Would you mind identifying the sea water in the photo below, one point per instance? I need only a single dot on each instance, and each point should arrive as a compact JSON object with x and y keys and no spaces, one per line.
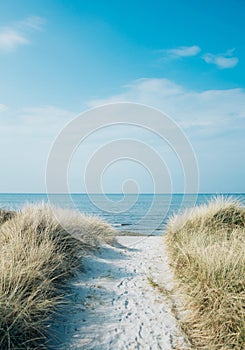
{"x":143,"y":213}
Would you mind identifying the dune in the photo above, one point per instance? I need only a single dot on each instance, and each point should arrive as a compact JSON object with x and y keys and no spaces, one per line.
{"x":40,"y":247}
{"x":206,"y":247}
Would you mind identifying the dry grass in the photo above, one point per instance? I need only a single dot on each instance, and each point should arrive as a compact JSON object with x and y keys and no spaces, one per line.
{"x":207,"y":250}
{"x":39,"y":247}
{"x":5,"y":215}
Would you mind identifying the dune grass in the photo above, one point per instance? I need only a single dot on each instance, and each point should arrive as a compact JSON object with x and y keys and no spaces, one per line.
{"x":5,"y":215}
{"x":39,"y":247}
{"x":207,"y":251}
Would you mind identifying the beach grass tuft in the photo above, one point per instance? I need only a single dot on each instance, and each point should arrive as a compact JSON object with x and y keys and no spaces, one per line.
{"x":207,"y":251}
{"x":39,"y":247}
{"x":5,"y":215}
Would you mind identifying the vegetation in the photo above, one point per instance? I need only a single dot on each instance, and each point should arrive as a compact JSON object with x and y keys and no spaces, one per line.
{"x":207,"y":251}
{"x":39,"y":247}
{"x":5,"y":215}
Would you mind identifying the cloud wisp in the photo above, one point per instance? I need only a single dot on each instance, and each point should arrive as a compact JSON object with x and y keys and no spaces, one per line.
{"x":204,"y":113}
{"x":222,"y":61}
{"x":182,"y":51}
{"x":17,"y":33}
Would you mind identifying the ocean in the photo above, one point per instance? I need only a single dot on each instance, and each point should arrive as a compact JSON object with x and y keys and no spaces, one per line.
{"x":143,"y":213}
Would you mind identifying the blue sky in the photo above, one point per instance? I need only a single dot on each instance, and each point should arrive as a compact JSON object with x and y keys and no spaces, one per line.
{"x":58,"y":58}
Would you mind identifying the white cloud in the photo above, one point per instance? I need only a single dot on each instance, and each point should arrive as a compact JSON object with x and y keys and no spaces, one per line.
{"x":10,"y":39}
{"x":222,"y":61}
{"x":17,"y":33}
{"x":182,"y":51}
{"x":202,"y":113}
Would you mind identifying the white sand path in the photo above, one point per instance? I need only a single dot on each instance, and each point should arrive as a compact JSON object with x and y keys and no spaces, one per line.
{"x":113,"y":304}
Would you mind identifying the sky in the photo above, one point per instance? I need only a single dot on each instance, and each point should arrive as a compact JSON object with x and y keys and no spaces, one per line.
{"x":61,"y":58}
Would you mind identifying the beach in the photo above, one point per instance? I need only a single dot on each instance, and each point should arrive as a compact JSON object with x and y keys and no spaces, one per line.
{"x":114,"y":301}
{"x":71,"y":281}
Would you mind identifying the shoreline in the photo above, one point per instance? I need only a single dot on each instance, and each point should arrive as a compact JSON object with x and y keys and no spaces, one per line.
{"x":121,"y":233}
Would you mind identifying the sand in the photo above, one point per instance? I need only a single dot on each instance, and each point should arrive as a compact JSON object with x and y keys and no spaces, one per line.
{"x":113,"y":305}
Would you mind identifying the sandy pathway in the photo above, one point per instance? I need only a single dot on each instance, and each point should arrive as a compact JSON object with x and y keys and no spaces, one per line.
{"x":114,"y":306}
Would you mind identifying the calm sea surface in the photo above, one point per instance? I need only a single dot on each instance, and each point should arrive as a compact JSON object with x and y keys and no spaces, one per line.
{"x":144,"y":213}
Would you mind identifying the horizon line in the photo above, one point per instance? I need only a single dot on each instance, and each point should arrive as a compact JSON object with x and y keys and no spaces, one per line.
{"x":120,"y":193}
